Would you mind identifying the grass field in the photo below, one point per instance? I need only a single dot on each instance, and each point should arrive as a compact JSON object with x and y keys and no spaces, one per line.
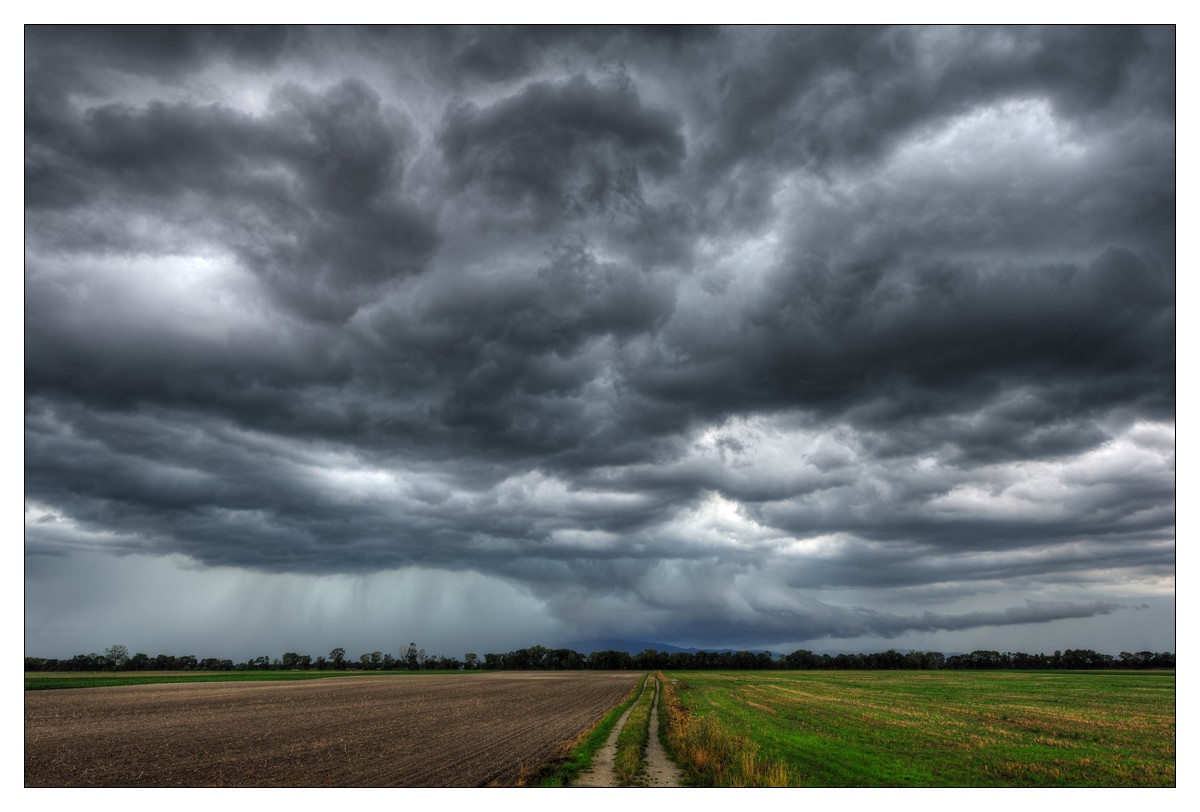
{"x":928,"y":729}
{"x":37,"y":681}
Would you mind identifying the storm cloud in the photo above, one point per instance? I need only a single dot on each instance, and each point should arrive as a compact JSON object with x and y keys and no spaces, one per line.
{"x":712,"y":336}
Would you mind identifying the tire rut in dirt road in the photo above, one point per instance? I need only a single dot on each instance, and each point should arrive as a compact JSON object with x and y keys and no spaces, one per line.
{"x":660,"y":770}
{"x":602,"y":772}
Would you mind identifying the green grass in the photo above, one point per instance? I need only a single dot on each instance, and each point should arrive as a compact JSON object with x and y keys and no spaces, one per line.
{"x":102,"y":679}
{"x":630,"y":761}
{"x":579,"y":757}
{"x":932,"y":729}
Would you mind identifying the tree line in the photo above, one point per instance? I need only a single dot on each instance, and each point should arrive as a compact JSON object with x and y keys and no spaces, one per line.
{"x":540,"y":658}
{"x":117,"y":658}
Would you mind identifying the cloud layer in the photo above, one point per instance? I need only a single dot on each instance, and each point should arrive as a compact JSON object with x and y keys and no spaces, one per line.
{"x":728,"y":336}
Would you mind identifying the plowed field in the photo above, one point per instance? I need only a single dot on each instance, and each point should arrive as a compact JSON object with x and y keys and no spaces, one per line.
{"x":403,"y":731}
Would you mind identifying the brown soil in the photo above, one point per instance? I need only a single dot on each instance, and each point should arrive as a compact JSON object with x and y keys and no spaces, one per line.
{"x":380,"y":731}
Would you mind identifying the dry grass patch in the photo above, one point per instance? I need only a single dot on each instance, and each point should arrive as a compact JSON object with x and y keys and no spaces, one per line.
{"x":711,"y":755}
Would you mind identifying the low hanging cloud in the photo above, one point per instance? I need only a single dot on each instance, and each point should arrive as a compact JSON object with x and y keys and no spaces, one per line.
{"x":309,"y":197}
{"x":676,"y":331}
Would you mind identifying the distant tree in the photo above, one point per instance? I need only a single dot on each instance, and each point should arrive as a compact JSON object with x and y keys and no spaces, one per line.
{"x":338,"y":658}
{"x":564,"y":658}
{"x":610,"y":660}
{"x":986,"y":659}
{"x":86,"y":662}
{"x":648,"y":659}
{"x":800,"y":660}
{"x":682,"y":660}
{"x":471,"y":661}
{"x":885,"y":660}
{"x":117,"y":656}
{"x":743,"y":659}
{"x":1164,"y":659}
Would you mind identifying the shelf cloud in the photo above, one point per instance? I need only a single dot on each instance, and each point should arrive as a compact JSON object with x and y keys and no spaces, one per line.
{"x":714,"y":336}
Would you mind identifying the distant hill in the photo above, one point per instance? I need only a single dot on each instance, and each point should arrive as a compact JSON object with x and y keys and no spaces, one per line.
{"x":613,"y":644}
{"x":638,"y":646}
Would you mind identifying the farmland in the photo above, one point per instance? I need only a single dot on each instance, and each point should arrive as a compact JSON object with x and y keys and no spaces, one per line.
{"x":748,"y":728}
{"x":904,"y":728}
{"x":93,"y":679}
{"x":412,"y":731}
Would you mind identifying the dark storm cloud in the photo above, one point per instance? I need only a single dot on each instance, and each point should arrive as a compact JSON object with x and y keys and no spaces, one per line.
{"x":62,"y":61}
{"x":564,"y":149}
{"x":155,"y":50}
{"x":499,"y":53}
{"x":695,"y":320}
{"x":816,"y":622}
{"x":874,"y":339}
{"x":834,"y":94}
{"x":707,"y":605}
{"x":307,"y":196}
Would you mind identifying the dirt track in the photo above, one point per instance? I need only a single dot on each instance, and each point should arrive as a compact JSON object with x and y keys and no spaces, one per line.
{"x":403,"y":731}
{"x":602,"y":771}
{"x":660,"y":770}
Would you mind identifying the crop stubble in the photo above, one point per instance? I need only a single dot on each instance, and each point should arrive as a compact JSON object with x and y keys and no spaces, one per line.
{"x":409,"y":731}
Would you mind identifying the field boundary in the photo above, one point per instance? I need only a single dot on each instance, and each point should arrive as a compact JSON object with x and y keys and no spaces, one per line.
{"x":559,"y":772}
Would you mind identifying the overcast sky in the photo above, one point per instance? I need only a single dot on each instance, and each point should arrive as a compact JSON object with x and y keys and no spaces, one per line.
{"x":838,"y":339}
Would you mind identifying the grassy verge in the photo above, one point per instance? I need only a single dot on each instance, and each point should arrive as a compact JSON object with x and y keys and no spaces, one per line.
{"x":81,"y":679}
{"x":927,"y":728}
{"x":630,"y":761}
{"x":710,"y":754}
{"x":560,"y":773}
